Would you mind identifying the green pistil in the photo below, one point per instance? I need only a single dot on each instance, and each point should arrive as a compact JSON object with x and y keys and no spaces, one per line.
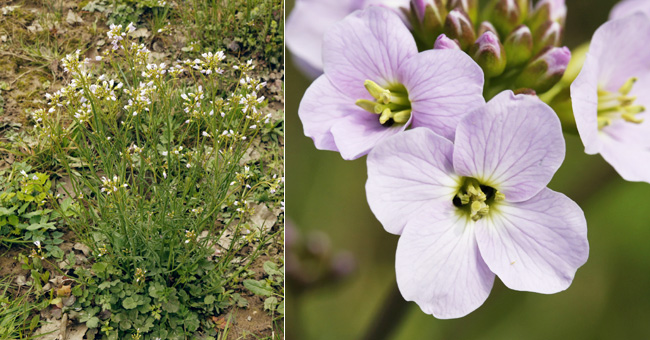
{"x":613,"y":106}
{"x":475,"y":199}
{"x":391,"y":104}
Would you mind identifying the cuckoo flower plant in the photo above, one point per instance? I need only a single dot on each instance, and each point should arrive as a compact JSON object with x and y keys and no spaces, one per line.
{"x":309,"y":21}
{"x":376,"y":84}
{"x":479,"y":207}
{"x":610,"y":95}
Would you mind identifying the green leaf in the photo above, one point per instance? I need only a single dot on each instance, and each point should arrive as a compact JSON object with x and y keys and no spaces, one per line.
{"x":209,"y":299}
{"x":280,"y":308}
{"x":270,"y":303}
{"x":258,"y":287}
{"x":129,"y":303}
{"x":240,"y":301}
{"x":92,"y":322}
{"x":13,"y":220}
{"x":271,"y":268}
{"x":37,"y":213}
{"x":37,"y":226}
{"x":5,"y":211}
{"x":34,"y":323}
{"x":99,"y":267}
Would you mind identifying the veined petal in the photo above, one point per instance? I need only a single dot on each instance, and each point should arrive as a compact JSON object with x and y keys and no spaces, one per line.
{"x":321,"y":107}
{"x":615,"y":45}
{"x":356,"y":134}
{"x":409,"y":173}
{"x":513,"y":144}
{"x":306,"y":25}
{"x":536,"y":245}
{"x":439,"y":266}
{"x":367,"y":45}
{"x":443,"y":86}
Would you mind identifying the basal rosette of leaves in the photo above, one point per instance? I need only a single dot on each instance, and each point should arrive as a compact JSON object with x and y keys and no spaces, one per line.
{"x":152,"y":152}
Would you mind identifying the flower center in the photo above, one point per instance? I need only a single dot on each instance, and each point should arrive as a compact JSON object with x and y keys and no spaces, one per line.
{"x":475,"y":199}
{"x":391,"y":103}
{"x":618,"y":105}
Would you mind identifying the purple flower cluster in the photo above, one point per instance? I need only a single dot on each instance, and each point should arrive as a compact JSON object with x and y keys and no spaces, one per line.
{"x":464,"y":182}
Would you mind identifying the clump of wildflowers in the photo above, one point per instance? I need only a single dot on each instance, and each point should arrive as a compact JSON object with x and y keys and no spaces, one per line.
{"x":112,"y":185}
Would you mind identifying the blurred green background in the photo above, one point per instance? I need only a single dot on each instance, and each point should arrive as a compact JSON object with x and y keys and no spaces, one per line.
{"x":609,"y":298}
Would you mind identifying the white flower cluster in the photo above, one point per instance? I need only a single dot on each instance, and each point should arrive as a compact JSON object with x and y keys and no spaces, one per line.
{"x":211,"y":63}
{"x":110,"y":186}
{"x":245,"y":67}
{"x":155,"y":71}
{"x":117,"y":34}
{"x":192,"y":103}
{"x":105,"y":90}
{"x":140,"y":98}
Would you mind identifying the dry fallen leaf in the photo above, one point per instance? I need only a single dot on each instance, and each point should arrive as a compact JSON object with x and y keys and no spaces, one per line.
{"x":220,"y":322}
{"x":73,"y":18}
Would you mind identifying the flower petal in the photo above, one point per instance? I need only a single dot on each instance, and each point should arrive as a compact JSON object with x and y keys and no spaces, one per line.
{"x":615,"y":45}
{"x":513,"y":144}
{"x":306,"y":25}
{"x":536,"y":245}
{"x":628,"y":7}
{"x":356,"y":134}
{"x":409,"y":173}
{"x":630,"y":161}
{"x":320,"y":108}
{"x":443,"y":86}
{"x":438,"y":265}
{"x":584,"y":99}
{"x":367,"y":45}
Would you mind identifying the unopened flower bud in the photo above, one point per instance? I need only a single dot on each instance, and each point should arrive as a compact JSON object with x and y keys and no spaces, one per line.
{"x":545,"y":70}
{"x":519,"y":46}
{"x":556,"y":10}
{"x":525,"y":7}
{"x":459,"y":26}
{"x":488,"y":52}
{"x":486,"y":26}
{"x":548,"y":10}
{"x":428,"y":20}
{"x":506,"y":16}
{"x":444,"y":43}
{"x":468,"y":6}
{"x":549,"y":34}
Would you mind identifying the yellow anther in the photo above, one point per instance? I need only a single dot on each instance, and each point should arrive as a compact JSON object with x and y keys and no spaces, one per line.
{"x":613,"y":106}
{"x":627,"y":87}
{"x":385,"y":116}
{"x":402,"y":117}
{"x":630,"y":118}
{"x":366,"y":104}
{"x":376,"y":91}
{"x":391,"y":104}
{"x":498,"y":197}
{"x":478,"y":210}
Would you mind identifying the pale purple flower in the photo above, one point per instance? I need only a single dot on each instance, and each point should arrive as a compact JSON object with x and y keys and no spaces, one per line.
{"x":479,"y":207}
{"x":610,"y":95}
{"x":557,"y":9}
{"x":628,"y":7}
{"x":376,"y":84}
{"x":310,"y":19}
